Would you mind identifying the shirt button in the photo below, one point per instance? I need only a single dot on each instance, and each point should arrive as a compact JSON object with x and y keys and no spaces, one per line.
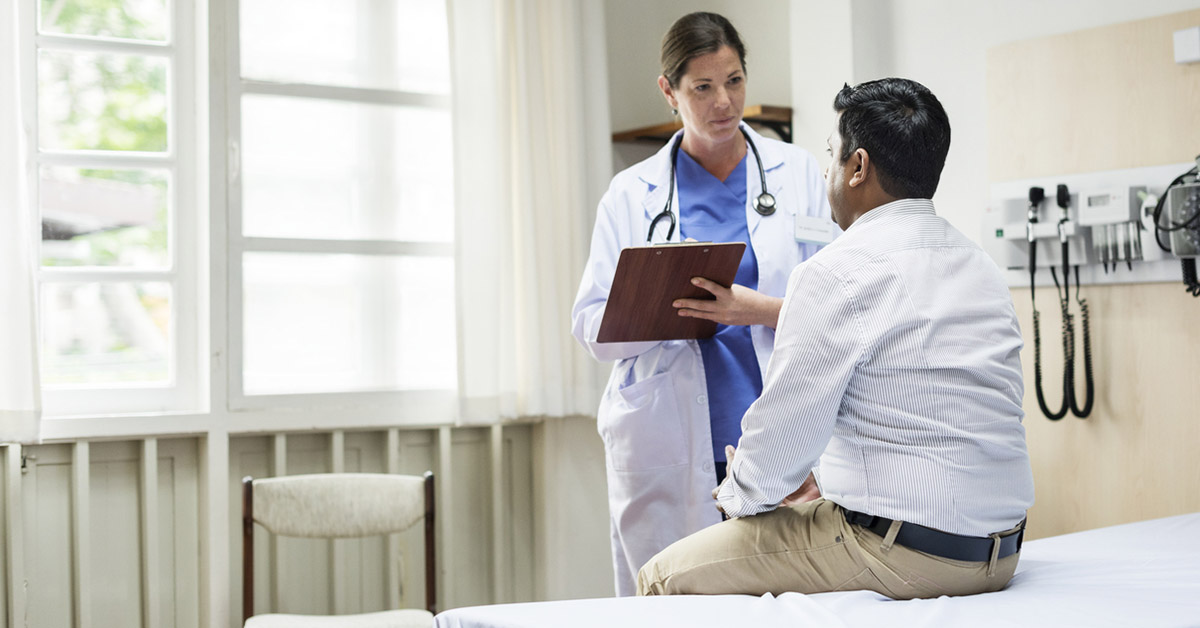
{"x":708,"y":467}
{"x":701,"y":399}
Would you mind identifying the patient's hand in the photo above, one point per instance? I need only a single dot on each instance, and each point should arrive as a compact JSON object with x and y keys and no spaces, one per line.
{"x":729,"y":451}
{"x":807,"y":492}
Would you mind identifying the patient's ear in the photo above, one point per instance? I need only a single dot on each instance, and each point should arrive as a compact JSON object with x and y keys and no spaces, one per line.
{"x":860,"y":166}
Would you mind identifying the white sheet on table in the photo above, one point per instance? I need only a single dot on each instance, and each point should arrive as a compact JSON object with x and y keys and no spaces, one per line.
{"x":1138,"y":574}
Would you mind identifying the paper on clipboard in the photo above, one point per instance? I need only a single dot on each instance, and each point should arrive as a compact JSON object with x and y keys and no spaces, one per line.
{"x":649,"y":279}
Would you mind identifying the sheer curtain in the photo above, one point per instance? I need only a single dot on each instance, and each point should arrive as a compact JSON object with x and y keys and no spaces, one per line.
{"x":20,"y":396}
{"x":532,"y":157}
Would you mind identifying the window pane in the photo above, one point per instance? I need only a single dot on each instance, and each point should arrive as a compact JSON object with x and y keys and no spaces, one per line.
{"x":362,"y":172}
{"x":104,"y":217}
{"x":106,"y":333}
{"x":89,"y":101}
{"x":384,"y":44}
{"x":144,"y":20}
{"x":340,"y":323}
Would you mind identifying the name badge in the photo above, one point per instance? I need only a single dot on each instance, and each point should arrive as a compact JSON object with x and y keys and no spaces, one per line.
{"x":814,"y":230}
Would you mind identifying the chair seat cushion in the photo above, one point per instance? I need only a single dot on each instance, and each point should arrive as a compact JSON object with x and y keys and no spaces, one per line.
{"x":408,"y":618}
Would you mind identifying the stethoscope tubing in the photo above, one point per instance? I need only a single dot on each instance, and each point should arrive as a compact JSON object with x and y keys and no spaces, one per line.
{"x":764,"y":204}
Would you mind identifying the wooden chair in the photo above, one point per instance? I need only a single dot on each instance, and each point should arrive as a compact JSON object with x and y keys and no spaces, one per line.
{"x":331,"y":506}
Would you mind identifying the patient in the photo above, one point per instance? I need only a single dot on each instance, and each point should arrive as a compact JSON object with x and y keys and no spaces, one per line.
{"x":886,"y":451}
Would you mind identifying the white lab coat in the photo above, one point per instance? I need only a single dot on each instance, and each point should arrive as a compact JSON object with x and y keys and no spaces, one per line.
{"x":653,"y":416}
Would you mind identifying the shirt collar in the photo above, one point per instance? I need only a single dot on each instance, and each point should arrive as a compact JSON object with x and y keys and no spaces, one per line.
{"x":899,"y":209}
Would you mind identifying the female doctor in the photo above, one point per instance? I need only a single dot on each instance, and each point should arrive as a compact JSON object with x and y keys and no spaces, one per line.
{"x":671,"y":407}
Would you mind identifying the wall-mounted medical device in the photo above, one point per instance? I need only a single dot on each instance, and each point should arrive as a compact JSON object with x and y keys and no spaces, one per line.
{"x":1114,"y":215}
{"x":1067,"y":230}
{"x":1177,"y":215}
{"x":1119,"y":226}
{"x":1116,"y":226}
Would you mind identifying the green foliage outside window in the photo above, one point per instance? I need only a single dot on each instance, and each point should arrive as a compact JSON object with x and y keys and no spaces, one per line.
{"x":132,"y":116}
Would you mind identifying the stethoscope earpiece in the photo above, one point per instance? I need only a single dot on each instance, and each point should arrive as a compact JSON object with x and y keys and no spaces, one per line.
{"x":764,"y":204}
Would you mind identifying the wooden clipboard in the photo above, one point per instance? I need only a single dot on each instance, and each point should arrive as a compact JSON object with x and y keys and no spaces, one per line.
{"x":649,"y":279}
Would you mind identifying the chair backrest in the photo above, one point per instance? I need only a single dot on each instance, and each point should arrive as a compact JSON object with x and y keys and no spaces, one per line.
{"x":336,"y":505}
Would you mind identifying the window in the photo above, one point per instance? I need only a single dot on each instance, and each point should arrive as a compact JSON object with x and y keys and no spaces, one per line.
{"x":112,"y":171}
{"x":333,"y":218}
{"x":342,"y":216}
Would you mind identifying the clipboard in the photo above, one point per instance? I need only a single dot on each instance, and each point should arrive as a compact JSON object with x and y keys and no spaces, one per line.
{"x":649,"y":279}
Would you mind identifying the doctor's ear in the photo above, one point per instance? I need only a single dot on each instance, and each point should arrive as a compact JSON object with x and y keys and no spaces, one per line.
{"x":668,"y":93}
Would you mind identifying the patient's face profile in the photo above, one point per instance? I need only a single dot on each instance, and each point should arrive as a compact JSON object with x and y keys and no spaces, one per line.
{"x":835,"y":177}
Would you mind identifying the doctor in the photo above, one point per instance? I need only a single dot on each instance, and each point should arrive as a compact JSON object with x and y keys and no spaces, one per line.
{"x":671,"y":407}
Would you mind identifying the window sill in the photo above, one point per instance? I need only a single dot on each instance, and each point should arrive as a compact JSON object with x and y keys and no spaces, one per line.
{"x":434,"y":410}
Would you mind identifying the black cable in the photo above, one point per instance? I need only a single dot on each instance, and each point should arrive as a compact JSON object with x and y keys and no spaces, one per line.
{"x":1190,"y":281}
{"x":1089,"y":382}
{"x":1037,"y":356}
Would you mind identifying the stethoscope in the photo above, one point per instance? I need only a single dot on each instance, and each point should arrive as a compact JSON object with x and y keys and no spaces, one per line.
{"x":764,"y":204}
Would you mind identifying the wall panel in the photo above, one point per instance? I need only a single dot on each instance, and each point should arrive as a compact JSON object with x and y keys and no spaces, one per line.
{"x":1101,"y":99}
{"x":179,"y":532}
{"x":114,"y":555}
{"x":469,"y":527}
{"x":10,"y":453}
{"x":46,"y":496}
{"x":138,"y":539}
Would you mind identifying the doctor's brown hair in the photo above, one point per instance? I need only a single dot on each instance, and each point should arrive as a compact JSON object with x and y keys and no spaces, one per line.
{"x":693,"y":35}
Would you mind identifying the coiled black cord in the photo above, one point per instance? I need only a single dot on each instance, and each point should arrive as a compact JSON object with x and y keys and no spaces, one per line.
{"x":1068,"y":358}
{"x":1190,"y":281}
{"x":1090,"y":390}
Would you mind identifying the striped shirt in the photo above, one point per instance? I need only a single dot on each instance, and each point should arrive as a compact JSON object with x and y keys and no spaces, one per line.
{"x":896,"y":379}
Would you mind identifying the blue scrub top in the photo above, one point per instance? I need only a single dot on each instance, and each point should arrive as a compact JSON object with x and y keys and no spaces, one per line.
{"x":712,"y":210}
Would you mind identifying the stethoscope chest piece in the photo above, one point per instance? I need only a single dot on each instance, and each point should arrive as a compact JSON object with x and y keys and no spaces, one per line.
{"x":765,"y":204}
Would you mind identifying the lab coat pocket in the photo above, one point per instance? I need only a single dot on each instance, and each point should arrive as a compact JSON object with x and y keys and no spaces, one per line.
{"x":642,"y":429}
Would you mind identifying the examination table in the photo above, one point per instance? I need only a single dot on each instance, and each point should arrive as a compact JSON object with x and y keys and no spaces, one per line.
{"x":1137,"y":574}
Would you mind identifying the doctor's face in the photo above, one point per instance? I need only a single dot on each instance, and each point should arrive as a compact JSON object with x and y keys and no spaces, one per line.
{"x":710,"y":96}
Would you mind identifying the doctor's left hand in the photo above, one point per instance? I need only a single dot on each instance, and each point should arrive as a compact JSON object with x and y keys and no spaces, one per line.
{"x":735,"y":305}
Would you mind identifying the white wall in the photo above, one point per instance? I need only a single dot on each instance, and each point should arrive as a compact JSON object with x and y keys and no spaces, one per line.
{"x":943,"y":44}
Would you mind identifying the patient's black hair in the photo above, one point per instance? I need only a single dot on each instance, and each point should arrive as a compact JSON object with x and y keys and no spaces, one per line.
{"x":904,"y":129}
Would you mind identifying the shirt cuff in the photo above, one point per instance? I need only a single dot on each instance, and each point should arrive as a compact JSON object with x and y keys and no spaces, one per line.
{"x":727,"y":499}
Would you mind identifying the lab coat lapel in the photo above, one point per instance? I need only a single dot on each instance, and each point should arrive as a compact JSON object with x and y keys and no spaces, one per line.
{"x":656,"y":174}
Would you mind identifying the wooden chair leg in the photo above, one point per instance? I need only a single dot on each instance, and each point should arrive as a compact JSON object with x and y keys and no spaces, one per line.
{"x":430,"y":556}
{"x":247,"y":548}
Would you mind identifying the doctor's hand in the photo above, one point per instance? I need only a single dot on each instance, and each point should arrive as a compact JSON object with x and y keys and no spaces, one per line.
{"x":735,"y":305}
{"x":807,"y":492}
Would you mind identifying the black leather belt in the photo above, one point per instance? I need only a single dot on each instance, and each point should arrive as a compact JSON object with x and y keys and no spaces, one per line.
{"x":944,"y":544}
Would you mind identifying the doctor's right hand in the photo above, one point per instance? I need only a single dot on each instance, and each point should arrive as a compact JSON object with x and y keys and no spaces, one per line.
{"x":735,"y":305}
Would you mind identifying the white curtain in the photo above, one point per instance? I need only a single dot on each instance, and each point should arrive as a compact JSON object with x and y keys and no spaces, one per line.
{"x":20,"y":396}
{"x":532,"y":158}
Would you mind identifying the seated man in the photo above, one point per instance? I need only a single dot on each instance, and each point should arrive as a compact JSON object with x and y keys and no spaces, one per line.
{"x":894,"y":394}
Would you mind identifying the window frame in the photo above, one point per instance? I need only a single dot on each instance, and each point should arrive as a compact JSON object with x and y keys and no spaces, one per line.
{"x":420,"y":407}
{"x":182,"y":391}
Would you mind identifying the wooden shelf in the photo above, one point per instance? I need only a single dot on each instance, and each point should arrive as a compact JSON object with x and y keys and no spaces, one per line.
{"x":778,"y":119}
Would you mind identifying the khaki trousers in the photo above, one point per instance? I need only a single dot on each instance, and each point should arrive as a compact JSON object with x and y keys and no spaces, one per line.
{"x":809,"y":548}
